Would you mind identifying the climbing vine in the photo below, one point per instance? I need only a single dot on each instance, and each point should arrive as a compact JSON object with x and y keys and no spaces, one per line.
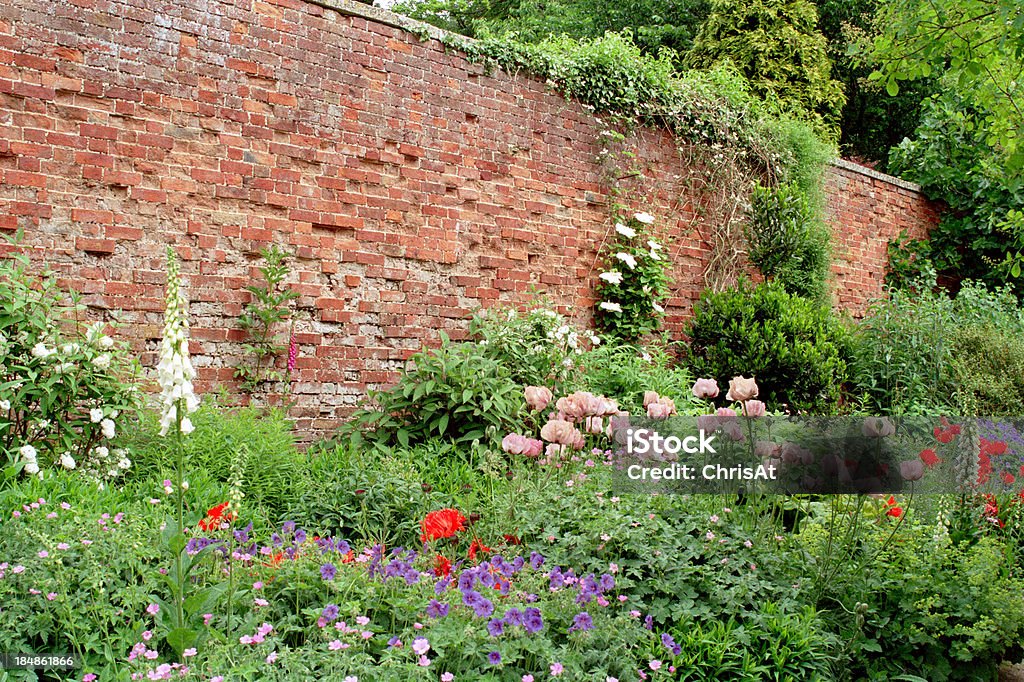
{"x":727,"y":139}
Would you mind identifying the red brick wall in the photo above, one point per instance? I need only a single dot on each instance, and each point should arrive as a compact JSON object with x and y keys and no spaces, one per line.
{"x":867,"y":210}
{"x":411,"y":185}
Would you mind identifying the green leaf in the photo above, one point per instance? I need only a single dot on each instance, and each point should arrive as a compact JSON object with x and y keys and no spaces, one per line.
{"x":180,"y":639}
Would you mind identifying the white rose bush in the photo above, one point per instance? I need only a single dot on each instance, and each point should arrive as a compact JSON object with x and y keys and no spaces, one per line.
{"x":633,"y":286}
{"x":65,"y":384}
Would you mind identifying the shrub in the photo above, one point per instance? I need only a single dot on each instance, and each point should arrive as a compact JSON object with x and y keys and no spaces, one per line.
{"x":933,"y":609}
{"x":795,"y":348}
{"x":456,"y":391}
{"x":987,"y":370}
{"x":538,"y":346}
{"x":64,"y":387}
{"x":361,"y":494}
{"x":901,"y":353}
{"x":906,"y":359}
{"x":787,"y":242}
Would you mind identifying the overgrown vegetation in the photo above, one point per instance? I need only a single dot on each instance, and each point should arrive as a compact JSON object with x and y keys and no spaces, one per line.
{"x":261,"y":319}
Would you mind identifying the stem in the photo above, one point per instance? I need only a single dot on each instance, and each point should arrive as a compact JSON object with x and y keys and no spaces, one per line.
{"x":179,"y":596}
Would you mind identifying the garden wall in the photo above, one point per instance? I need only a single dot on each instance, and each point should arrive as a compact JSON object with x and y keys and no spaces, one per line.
{"x":412,"y":185}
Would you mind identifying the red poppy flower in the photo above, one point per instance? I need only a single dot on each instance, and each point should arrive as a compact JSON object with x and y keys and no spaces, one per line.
{"x":1008,"y":478}
{"x":948,"y":434}
{"x":217,"y":515}
{"x":349,"y":558}
{"x":443,"y":523}
{"x":929,"y":457}
{"x":984,"y":468}
{"x":477,"y":546}
{"x":992,"y":448}
{"x":512,"y":540}
{"x":893,"y":510}
{"x":275,"y":560}
{"x":442,"y":565}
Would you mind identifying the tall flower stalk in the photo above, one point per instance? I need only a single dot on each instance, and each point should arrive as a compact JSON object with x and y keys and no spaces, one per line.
{"x":177,"y":400}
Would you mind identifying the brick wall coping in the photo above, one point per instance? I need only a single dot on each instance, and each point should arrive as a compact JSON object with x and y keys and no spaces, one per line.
{"x":872,"y":173}
{"x":389,"y":18}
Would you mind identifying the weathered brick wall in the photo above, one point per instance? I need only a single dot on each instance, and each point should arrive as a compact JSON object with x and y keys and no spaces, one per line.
{"x":411,"y":185}
{"x":867,"y":210}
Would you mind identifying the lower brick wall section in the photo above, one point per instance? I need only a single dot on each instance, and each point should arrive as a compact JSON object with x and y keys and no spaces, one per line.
{"x":411,"y":185}
{"x":867,"y":210}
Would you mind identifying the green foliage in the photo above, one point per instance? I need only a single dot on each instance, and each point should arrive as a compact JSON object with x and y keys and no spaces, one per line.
{"x":655,"y":24}
{"x":978,"y":45}
{"x":93,"y":585}
{"x":267,"y":309}
{"x":906,"y":358}
{"x":938,"y":611}
{"x":988,"y":370}
{"x":272,"y":475}
{"x":361,"y":494}
{"x":954,"y":158}
{"x":609,"y":73}
{"x":776,"y":45}
{"x":634,"y":284}
{"x":770,"y":644}
{"x":537,"y":347}
{"x":456,"y":392}
{"x":873,"y":121}
{"x":910,"y":264}
{"x":626,"y":372}
{"x":64,"y":384}
{"x":788,"y":244}
{"x":901,"y":353}
{"x":794,"y":347}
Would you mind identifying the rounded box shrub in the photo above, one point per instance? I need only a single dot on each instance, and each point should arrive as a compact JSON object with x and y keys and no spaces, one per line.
{"x":794,"y":347}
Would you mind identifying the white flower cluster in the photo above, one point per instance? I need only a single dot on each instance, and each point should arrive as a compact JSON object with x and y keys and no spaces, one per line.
{"x":100,"y":463}
{"x":629,"y":260}
{"x":29,"y":454}
{"x":174,"y":370}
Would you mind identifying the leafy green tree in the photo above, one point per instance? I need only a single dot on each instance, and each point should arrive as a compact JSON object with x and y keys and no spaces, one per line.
{"x":776,"y":45}
{"x":872,"y":121}
{"x":978,"y":43}
{"x":967,"y":149}
{"x":954,"y":158}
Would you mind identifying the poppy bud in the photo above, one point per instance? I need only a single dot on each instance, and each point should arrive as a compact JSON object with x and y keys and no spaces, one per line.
{"x":360,"y":491}
{"x":426,"y":487}
{"x":474,"y":517}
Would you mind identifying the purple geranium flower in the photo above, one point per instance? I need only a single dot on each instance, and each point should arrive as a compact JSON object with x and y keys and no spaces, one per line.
{"x":495,"y":627}
{"x":328,"y":571}
{"x":494,"y":658}
{"x":533,"y":621}
{"x":330,"y":612}
{"x":436,"y":609}
{"x":582,"y":621}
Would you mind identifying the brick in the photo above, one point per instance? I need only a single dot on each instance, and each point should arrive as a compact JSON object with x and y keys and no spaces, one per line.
{"x":97,"y":246}
{"x":83,"y":215}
